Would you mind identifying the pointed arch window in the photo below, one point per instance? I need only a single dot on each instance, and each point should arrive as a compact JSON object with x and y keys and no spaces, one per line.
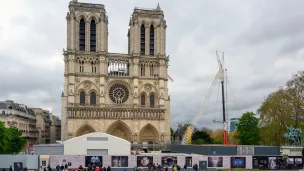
{"x":93,"y":98}
{"x":152,"y":102}
{"x":93,"y":36}
{"x":82,"y":97}
{"x":152,"y":40}
{"x":82,"y":35}
{"x":143,"y":100}
{"x":142,"y":39}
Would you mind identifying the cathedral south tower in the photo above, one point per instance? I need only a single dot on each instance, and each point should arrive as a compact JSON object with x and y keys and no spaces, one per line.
{"x":125,"y":95}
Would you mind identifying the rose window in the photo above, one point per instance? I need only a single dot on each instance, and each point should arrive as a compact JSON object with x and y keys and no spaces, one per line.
{"x":119,"y":93}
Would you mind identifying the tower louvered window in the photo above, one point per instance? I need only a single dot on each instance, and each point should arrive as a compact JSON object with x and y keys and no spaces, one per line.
{"x":93,"y":36}
{"x":82,"y":35}
{"x":142,"y":40}
{"x":151,"y":40}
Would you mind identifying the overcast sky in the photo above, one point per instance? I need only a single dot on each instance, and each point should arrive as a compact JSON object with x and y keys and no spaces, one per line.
{"x":262,"y":40}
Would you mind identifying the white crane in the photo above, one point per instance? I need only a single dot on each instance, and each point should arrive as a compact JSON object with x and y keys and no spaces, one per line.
{"x":219,"y":76}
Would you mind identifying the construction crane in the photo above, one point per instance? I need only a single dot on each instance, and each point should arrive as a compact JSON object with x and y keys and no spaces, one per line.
{"x":219,"y":77}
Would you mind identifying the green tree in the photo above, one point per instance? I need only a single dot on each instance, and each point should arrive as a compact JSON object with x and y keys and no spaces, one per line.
{"x":247,"y":129}
{"x":3,"y":140}
{"x":295,"y":95}
{"x":11,"y":141}
{"x":275,"y":114}
{"x":171,"y":133}
{"x":16,"y":142}
{"x":201,"y":137}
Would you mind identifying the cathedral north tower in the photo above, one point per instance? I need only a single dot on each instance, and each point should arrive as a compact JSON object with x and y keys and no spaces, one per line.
{"x":125,"y":95}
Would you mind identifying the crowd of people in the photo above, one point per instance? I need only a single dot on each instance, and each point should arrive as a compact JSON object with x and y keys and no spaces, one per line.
{"x":93,"y":167}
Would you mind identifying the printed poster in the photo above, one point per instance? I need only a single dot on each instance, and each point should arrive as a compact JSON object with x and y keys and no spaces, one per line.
{"x":238,"y":162}
{"x":119,"y":161}
{"x":188,"y":161}
{"x":93,"y":160}
{"x":144,"y":161}
{"x":168,"y":161}
{"x":72,"y":161}
{"x":215,"y":161}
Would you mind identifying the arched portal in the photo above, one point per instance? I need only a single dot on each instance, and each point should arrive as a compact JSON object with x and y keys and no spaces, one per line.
{"x":121,"y":130}
{"x":85,"y":129}
{"x":148,"y":134}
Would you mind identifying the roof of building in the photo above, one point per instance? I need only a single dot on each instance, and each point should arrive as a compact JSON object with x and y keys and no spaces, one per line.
{"x":99,"y":135}
{"x":9,"y":104}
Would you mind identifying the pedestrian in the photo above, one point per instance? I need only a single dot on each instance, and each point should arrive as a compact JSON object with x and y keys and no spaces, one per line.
{"x":62,"y":167}
{"x":10,"y":169}
{"x":174,"y":168}
{"x":109,"y":168}
{"x":185,"y":167}
{"x":49,"y":168}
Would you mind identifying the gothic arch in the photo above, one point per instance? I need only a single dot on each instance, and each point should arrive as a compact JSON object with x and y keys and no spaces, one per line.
{"x":80,"y":16}
{"x":93,"y":86}
{"x":148,"y":134}
{"x":153,"y":88}
{"x":140,"y":98}
{"x":153,"y":23}
{"x":120,"y":129}
{"x":85,"y":129}
{"x":93,"y":16}
{"x":143,"y":22}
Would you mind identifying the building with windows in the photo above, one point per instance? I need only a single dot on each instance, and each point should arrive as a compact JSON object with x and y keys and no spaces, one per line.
{"x":19,"y":116}
{"x":48,"y":126}
{"x":232,"y":124}
{"x":125,"y":95}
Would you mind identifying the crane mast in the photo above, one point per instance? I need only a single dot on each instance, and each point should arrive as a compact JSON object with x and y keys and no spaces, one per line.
{"x":190,"y":128}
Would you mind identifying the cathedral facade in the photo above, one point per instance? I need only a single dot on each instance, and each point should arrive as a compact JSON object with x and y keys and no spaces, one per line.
{"x":125,"y":95}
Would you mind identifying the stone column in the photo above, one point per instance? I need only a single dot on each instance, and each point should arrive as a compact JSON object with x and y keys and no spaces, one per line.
{"x":87,"y":36}
{"x":147,"y":40}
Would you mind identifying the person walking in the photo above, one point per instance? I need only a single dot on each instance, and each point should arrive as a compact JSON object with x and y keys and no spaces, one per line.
{"x":185,"y":167}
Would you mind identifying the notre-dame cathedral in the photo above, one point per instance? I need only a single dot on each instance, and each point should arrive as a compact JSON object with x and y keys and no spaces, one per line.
{"x":122,"y":94}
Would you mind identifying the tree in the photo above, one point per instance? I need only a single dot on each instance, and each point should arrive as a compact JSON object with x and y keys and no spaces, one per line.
{"x":275,"y":115}
{"x":232,"y":138}
{"x":11,"y":141}
{"x":218,"y":136}
{"x":247,"y":129}
{"x":201,"y":137}
{"x":295,"y":94}
{"x":171,"y":133}
{"x":282,"y":108}
{"x":3,"y":141}
{"x":16,"y":142}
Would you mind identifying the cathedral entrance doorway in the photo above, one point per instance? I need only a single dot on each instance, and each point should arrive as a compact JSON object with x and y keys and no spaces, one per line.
{"x":148,"y":134}
{"x":85,"y":129}
{"x":121,"y":130}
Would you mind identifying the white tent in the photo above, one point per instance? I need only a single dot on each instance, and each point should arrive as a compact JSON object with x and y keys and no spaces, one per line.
{"x":97,"y":143}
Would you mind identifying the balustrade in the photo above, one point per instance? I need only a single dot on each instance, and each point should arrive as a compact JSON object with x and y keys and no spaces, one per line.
{"x":150,"y":114}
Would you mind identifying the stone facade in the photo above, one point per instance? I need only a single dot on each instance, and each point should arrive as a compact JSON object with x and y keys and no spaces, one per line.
{"x":48,"y":126}
{"x":36,"y":124}
{"x":125,"y":95}
{"x":19,"y":116}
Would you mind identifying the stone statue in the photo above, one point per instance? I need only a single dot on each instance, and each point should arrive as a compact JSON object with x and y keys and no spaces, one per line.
{"x":293,"y":136}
